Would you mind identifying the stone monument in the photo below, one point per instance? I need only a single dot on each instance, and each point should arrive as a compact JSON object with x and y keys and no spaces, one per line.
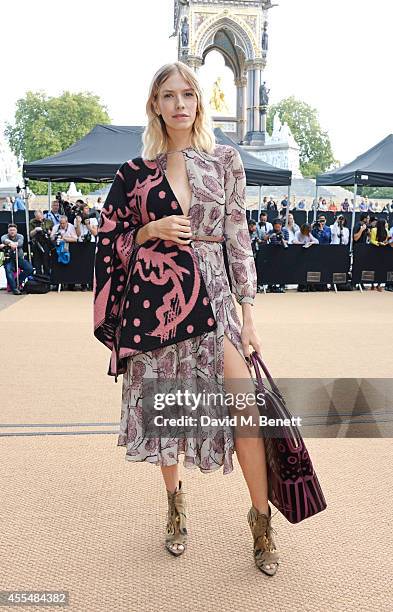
{"x":238,"y":30}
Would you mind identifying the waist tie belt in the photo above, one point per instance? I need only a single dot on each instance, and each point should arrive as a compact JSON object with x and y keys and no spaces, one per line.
{"x":209,"y":238}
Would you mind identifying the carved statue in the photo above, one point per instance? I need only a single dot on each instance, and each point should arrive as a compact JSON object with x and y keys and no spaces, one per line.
{"x":265,"y":38}
{"x":217,"y":100}
{"x":185,"y":32}
{"x":176,"y":15}
{"x":263,"y":94}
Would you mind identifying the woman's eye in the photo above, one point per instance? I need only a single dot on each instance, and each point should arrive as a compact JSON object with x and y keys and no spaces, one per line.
{"x":167,"y":95}
{"x":190,"y":93}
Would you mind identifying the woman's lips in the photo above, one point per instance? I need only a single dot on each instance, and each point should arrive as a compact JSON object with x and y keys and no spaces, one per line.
{"x":180,"y":117}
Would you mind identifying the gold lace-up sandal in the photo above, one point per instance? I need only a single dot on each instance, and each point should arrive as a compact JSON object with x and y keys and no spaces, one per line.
{"x":266,"y":556}
{"x":176,"y":530}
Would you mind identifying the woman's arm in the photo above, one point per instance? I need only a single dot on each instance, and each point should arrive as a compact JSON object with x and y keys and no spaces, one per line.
{"x":119,"y":220}
{"x":238,"y":244}
{"x":237,"y":238}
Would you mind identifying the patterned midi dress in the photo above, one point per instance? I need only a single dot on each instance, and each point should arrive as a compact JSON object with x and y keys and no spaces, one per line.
{"x":218,"y":208}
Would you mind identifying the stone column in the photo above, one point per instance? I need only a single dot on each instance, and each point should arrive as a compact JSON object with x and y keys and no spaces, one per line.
{"x":254,"y":68}
{"x":249,"y":98}
{"x":257,"y":82}
{"x":241,"y":107}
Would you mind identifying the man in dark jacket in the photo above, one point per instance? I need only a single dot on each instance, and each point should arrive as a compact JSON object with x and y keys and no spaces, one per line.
{"x":13,"y":243}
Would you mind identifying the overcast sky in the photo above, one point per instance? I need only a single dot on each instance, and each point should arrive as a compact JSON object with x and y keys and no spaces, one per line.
{"x":334,"y":54}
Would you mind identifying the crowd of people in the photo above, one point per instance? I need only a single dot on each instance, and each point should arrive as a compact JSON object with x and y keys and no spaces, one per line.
{"x":368,"y":230}
{"x":50,"y":233}
{"x":68,"y":222}
{"x":362,"y":205}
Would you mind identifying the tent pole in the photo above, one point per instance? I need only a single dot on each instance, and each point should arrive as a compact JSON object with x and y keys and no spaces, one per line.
{"x":260,"y":203}
{"x":49,"y":193}
{"x":26,"y":199}
{"x":355,"y":192}
{"x":315,"y":204}
{"x":289,"y":203}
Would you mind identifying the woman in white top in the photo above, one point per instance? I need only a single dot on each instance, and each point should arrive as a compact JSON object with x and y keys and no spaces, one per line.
{"x":292,"y":228}
{"x":339,"y":231}
{"x":304,"y":236}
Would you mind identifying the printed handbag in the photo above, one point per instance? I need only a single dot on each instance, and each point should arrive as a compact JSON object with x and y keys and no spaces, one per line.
{"x":293,"y":486}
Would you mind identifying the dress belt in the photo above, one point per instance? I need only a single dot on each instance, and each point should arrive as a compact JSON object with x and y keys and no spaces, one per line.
{"x":209,"y":238}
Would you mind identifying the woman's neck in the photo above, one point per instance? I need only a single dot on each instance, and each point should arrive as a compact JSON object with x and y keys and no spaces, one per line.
{"x":178,"y":141}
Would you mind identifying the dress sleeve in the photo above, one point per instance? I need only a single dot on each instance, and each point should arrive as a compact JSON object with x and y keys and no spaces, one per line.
{"x":119,"y":221}
{"x":237,"y":237}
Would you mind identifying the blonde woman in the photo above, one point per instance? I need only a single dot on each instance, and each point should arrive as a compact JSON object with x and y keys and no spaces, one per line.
{"x":163,"y":223}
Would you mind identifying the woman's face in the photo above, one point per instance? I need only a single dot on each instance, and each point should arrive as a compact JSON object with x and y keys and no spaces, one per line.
{"x":177,"y":103}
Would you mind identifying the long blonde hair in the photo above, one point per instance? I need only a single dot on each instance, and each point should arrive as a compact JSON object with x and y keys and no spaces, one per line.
{"x":155,"y":135}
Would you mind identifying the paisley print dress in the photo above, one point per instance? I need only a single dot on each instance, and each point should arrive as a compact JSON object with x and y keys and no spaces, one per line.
{"x":218,"y":208}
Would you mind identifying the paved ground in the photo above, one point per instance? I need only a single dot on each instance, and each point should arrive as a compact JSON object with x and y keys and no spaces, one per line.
{"x":75,"y":516}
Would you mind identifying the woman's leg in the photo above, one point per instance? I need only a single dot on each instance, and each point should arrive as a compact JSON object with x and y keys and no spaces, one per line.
{"x":171,"y":476}
{"x":250,"y":451}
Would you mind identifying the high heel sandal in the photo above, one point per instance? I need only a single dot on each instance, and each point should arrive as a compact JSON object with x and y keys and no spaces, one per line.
{"x":176,"y":530}
{"x":266,"y":556}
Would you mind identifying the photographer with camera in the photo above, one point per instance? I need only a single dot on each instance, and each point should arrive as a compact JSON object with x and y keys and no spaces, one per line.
{"x":65,"y":207}
{"x":12,"y":246}
{"x":278,"y":237}
{"x":40,"y":231}
{"x":86,"y":227}
{"x":339,"y":231}
{"x":361,"y":231}
{"x":320,"y":231}
{"x":86,"y":224}
{"x":64,"y":233}
{"x":263,"y":228}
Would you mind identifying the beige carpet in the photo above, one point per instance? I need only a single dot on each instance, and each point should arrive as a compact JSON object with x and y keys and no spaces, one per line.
{"x":76,"y":517}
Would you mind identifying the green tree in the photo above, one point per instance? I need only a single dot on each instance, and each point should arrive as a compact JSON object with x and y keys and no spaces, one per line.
{"x":377,"y":193}
{"x":46,"y":125}
{"x":316,"y":153}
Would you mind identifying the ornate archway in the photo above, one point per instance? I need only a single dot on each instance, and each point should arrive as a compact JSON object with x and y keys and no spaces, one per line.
{"x":237,"y":30}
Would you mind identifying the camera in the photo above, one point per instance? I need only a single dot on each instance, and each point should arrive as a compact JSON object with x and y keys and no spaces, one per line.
{"x":41,"y":239}
{"x":58,"y":238}
{"x":7,"y":253}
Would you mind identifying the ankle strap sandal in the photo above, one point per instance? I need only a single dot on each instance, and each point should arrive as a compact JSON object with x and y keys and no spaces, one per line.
{"x":266,"y":556}
{"x":176,"y":529}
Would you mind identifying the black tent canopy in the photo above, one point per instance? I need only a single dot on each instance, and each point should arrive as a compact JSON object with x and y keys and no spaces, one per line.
{"x":374,"y":168}
{"x":93,"y":158}
{"x":97,"y":156}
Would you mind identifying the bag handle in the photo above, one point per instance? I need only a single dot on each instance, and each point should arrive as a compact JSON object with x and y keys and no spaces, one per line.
{"x":257,"y":362}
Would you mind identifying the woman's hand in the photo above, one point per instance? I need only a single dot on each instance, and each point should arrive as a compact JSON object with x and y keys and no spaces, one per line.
{"x":249,"y":337}
{"x":174,"y":227}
